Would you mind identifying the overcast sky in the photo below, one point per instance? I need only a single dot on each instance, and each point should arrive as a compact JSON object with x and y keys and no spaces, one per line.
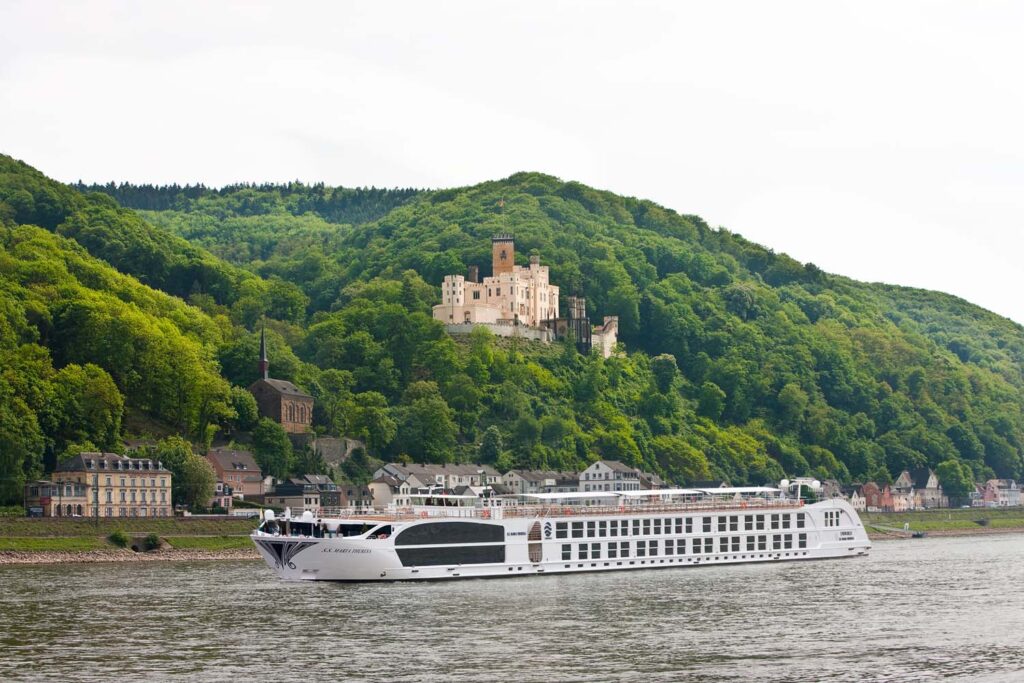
{"x":882,"y":141}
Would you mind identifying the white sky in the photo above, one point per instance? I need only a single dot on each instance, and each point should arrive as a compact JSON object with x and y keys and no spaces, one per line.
{"x":882,"y":141}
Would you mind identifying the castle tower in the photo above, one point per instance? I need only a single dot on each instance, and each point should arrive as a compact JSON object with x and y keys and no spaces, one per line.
{"x":264,"y":364}
{"x":503,"y":253}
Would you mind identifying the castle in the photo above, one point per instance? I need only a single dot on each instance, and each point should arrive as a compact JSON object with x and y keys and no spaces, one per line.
{"x":518,"y":301}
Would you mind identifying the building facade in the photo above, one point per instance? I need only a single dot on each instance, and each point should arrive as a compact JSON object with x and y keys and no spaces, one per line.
{"x":238,"y":470}
{"x":512,"y":294}
{"x":115,"y":485}
{"x":609,"y":475}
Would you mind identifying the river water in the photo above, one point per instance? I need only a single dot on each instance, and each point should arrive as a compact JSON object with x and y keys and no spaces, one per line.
{"x":921,"y":610}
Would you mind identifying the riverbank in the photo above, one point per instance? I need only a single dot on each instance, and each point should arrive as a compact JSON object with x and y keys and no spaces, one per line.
{"x":10,"y":557}
{"x":943,"y":522}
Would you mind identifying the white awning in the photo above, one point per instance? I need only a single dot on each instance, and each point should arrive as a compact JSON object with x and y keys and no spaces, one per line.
{"x":661,"y":492}
{"x":731,"y":491}
{"x":572,"y":495}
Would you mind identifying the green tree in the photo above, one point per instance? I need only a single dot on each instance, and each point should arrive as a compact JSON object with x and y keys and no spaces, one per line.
{"x":246,"y":411}
{"x":491,"y":446}
{"x":710,"y":401}
{"x":195,"y":482}
{"x":956,"y":478}
{"x":272,"y":449}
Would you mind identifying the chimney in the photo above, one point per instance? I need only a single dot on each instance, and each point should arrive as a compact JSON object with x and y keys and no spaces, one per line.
{"x":264,"y":364}
{"x":474,"y":274}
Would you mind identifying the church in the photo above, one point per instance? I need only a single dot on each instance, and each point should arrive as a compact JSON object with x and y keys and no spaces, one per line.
{"x":280,"y":400}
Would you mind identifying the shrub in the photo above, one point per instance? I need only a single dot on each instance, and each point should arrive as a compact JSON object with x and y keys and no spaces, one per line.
{"x":119,"y":538}
{"x":151,"y":542}
{"x":12,"y":511}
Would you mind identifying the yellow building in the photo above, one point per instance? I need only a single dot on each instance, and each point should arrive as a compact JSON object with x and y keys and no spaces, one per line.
{"x":122,"y":487}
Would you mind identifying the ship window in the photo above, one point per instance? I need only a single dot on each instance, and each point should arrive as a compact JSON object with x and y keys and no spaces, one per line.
{"x":750,"y":543}
{"x":647,"y":527}
{"x":623,"y":548}
{"x":595,"y":551}
{"x":561,"y":529}
{"x":734,"y":523}
{"x":748,"y":523}
{"x":762,"y":543}
{"x":636,"y":527}
{"x":776,"y":542}
{"x":787,"y":541}
{"x":785,"y":521}
{"x":566,"y":551}
{"x":577,"y":529}
{"x":582,"y":551}
{"x":689,"y":525}
{"x":613,"y":551}
{"x":723,"y":544}
{"x":613,"y":527}
{"x":775,"y":521}
{"x":721,"y":523}
{"x":641,"y":549}
{"x":707,"y":525}
{"x":679,"y":525}
{"x":602,"y":529}
{"x":657,"y":526}
{"x":799,"y":520}
{"x":652,"y":548}
{"x":591,"y":529}
{"x":709,"y":545}
{"x":759,"y":522}
{"x":735,"y":544}
{"x":670,"y":547}
{"x":448,"y":533}
{"x":801,"y":540}
{"x":697,"y":546}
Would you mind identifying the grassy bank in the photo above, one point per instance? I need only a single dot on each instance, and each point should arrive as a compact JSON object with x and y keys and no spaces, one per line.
{"x":54,"y":544}
{"x":162,"y":526}
{"x":950,"y":520}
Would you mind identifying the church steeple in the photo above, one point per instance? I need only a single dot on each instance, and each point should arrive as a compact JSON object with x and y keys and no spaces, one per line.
{"x":264,"y":365}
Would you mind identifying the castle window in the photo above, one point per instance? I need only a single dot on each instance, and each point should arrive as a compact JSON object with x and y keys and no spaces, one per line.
{"x":476,"y":295}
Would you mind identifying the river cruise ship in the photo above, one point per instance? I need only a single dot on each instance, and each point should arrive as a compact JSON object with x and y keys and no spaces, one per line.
{"x":450,"y":537}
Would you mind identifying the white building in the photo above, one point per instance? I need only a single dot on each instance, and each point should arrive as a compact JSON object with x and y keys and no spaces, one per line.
{"x":609,"y":475}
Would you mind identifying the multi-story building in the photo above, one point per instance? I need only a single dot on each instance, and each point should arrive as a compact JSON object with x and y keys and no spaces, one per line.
{"x":609,"y":475}
{"x":511,"y":294}
{"x":540,"y":481}
{"x":238,"y":470}
{"x":119,"y":486}
{"x":447,"y":475}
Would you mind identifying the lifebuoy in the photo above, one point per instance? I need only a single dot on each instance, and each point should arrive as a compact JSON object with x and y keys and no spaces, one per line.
{"x":486,"y":514}
{"x":423,"y":514}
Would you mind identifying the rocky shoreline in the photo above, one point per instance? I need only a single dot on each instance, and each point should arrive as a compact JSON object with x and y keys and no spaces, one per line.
{"x":10,"y":557}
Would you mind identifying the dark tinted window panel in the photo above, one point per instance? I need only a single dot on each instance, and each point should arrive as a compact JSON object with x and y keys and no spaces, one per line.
{"x":423,"y":557}
{"x":434,"y":533}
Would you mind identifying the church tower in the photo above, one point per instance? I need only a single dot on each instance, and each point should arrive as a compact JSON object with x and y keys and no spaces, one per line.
{"x":503,"y":254}
{"x":264,"y":364}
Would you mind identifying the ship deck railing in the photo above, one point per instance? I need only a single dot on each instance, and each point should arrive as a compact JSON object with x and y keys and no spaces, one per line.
{"x":556,"y":511}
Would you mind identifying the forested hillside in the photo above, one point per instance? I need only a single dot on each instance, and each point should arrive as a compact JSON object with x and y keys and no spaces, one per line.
{"x":737,"y":362}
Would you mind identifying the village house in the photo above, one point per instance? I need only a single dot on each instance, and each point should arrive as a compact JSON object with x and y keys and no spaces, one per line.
{"x":1002,"y":492}
{"x":122,"y":487}
{"x":222,"y":497}
{"x":356,"y":499}
{"x":921,"y":487}
{"x":389,"y":491}
{"x":297,"y":494}
{"x":280,"y":400}
{"x":857,"y":501}
{"x":237,"y":469}
{"x":524,"y":482}
{"x":609,"y":475}
{"x":447,"y":475}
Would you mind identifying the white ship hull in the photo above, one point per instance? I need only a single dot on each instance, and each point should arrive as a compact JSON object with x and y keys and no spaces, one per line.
{"x":560,"y":542}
